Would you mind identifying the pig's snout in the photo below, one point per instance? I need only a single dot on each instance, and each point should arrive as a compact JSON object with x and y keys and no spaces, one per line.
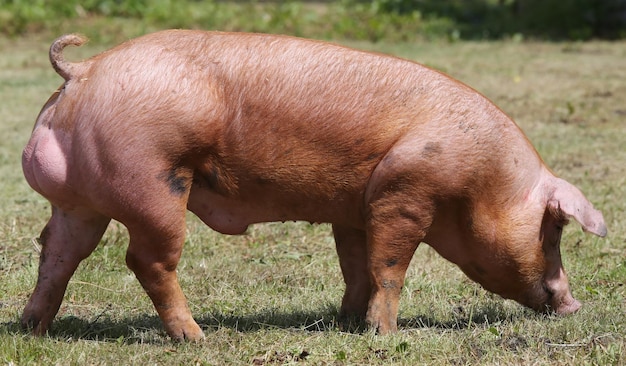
{"x":569,"y":307}
{"x":560,"y":299}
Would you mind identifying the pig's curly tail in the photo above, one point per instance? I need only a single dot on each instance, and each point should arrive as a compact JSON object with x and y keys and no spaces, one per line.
{"x":65,"y":68}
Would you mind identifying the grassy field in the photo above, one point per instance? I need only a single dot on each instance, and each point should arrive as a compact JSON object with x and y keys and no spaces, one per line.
{"x":271,"y":296}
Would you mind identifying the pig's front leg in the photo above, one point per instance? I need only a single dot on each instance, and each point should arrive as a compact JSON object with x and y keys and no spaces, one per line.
{"x":69,"y":237}
{"x":352,"y":251}
{"x":393,"y":234}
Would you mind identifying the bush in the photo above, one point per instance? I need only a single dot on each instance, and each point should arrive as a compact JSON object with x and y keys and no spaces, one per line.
{"x":573,"y":19}
{"x":552,"y":19}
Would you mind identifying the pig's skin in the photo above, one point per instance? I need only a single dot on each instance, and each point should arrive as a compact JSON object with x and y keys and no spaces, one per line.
{"x":245,"y":128}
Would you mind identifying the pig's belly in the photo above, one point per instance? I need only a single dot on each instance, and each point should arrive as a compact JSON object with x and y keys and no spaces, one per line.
{"x":233,"y":215}
{"x":224,"y":215}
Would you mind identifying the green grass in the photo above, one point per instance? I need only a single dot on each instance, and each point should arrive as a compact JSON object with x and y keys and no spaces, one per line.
{"x":344,"y":19}
{"x":271,"y":296}
{"x":372,"y":20}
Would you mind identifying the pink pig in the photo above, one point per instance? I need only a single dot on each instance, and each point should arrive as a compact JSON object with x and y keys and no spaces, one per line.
{"x":248,"y":128}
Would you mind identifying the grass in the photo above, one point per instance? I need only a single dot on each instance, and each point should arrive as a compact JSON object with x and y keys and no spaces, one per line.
{"x":372,"y":20}
{"x":345,"y":19}
{"x":271,"y":297}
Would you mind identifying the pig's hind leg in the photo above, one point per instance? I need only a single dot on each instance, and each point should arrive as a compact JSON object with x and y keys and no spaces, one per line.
{"x":156,"y":224}
{"x":69,"y":237}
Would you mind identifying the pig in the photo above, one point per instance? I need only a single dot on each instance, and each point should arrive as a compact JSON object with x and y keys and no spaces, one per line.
{"x":248,"y":128}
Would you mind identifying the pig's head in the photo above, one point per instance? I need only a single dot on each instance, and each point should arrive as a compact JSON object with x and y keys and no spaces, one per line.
{"x":519,"y":257}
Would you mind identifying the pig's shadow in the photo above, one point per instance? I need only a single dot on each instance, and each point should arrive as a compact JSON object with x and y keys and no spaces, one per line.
{"x":148,"y":328}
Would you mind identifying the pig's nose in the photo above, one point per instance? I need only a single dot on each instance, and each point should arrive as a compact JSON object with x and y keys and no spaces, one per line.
{"x":561,"y":302}
{"x":567,"y":307}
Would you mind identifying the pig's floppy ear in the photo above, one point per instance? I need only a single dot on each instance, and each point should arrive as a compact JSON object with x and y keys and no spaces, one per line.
{"x":567,"y":201}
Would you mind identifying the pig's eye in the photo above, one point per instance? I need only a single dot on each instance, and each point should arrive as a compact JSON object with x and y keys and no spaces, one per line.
{"x":548,"y":291}
{"x":555,"y":235}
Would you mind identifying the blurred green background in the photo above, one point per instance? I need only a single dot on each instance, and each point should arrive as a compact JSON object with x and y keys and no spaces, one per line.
{"x":371,"y":20}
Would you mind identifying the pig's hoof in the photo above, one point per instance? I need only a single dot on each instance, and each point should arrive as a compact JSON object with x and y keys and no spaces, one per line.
{"x":33,"y":324}
{"x":191,"y":332}
{"x":382,"y":325}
